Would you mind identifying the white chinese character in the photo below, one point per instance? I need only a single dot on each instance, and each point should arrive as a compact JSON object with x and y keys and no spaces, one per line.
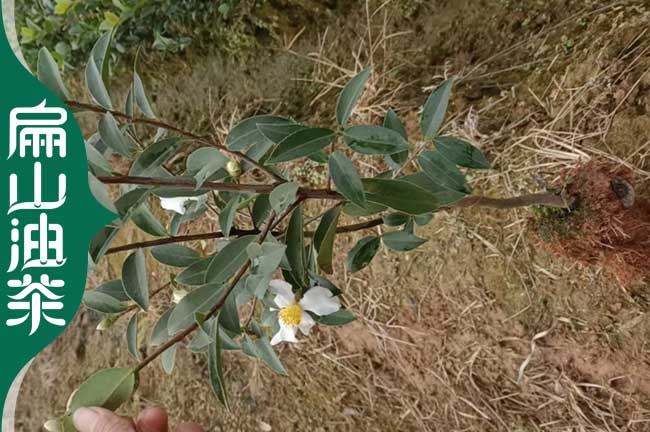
{"x":41,"y":244}
{"x":30,"y":299}
{"x":37,"y":203}
{"x":40,"y":130}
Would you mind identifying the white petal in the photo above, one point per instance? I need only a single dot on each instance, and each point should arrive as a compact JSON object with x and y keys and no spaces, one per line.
{"x":285,"y":334}
{"x":306,"y":323}
{"x":176,"y":204}
{"x":284,"y":296}
{"x":320,"y":301}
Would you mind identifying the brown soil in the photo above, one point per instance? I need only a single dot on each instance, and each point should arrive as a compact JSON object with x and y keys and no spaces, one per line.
{"x":609,"y":224}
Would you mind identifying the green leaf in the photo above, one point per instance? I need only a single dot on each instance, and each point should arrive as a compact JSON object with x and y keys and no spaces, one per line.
{"x":368,"y":209}
{"x":461,"y":152}
{"x":395,"y":219}
{"x":392,"y":121}
{"x":160,"y":332}
{"x":302,"y":143}
{"x":399,"y":195}
{"x":147,"y":222}
{"x":107,"y":388}
{"x":148,"y":163}
{"x":280,"y":131}
{"x":434,"y":109}
{"x":99,"y":54}
{"x":296,"y":245}
{"x":114,"y":289}
{"x":141,"y":97}
{"x":215,"y":365}
{"x":47,"y":72}
{"x":97,"y":162}
{"x":324,"y":239}
{"x":261,"y":348}
{"x":402,"y":240}
{"x":100,"y":192}
{"x":443,"y":172}
{"x":175,"y":255}
{"x":374,"y":140}
{"x":102,"y":302}
{"x":135,"y":279}
{"x":96,"y":86}
{"x":112,"y":136}
{"x":229,"y":315}
{"x":227,"y":215}
{"x":261,"y":210}
{"x":200,"y":300}
{"x":443,"y":195}
{"x":132,"y":336}
{"x":350,"y":95}
{"x":346,"y":178}
{"x":283,"y":196}
{"x":362,"y":253}
{"x":168,"y":358}
{"x":339,"y":318}
{"x":205,"y":162}
{"x":228,"y":261}
{"x":194,"y":275}
{"x":246,"y":134}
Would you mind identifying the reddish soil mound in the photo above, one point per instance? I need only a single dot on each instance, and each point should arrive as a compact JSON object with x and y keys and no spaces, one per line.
{"x":609,"y":225}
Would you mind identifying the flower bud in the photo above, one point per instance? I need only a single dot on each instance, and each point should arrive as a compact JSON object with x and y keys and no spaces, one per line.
{"x":52,"y":425}
{"x":105,"y":324}
{"x":178,"y":295}
{"x":233,"y":168}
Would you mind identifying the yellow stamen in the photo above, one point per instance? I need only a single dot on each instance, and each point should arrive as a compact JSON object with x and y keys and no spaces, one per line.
{"x":291,"y":315}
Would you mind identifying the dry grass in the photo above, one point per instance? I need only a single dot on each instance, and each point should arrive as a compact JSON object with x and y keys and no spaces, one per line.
{"x":477,"y":330}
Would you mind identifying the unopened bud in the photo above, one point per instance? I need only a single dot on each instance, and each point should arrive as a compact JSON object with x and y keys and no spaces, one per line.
{"x":233,"y":168}
{"x":105,"y":324}
{"x":52,"y":425}
{"x":178,"y":295}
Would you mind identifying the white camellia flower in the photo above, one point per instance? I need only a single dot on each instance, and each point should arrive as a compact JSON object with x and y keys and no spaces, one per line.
{"x":293,"y":314}
{"x":176,"y":204}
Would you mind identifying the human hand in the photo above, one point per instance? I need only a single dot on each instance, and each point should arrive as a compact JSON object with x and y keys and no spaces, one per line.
{"x":152,"y":419}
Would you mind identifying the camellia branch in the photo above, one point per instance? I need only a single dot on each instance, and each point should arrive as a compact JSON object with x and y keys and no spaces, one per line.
{"x":160,"y":124}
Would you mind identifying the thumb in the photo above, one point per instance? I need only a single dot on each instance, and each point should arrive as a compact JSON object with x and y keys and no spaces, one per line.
{"x":100,"y":420}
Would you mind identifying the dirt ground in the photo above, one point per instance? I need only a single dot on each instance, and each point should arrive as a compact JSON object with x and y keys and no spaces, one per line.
{"x":477,"y":330}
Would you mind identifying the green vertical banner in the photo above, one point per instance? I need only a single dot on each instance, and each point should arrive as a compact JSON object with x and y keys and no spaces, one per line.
{"x":48,"y":216}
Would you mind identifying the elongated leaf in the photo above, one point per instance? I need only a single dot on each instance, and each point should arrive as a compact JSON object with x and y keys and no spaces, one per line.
{"x":444,"y":196}
{"x":141,"y":97}
{"x":324,"y":238}
{"x":200,"y":300}
{"x":100,"y":192}
{"x":168,"y":358}
{"x":99,"y":54}
{"x":108,"y":388}
{"x":338,"y":318}
{"x":47,"y":72}
{"x":112,"y":136}
{"x":350,"y":95}
{"x":215,"y":366}
{"x":346,"y":178}
{"x":443,"y":172}
{"x":277,"y":132}
{"x":283,"y":196}
{"x":227,"y":215}
{"x":132,"y":336}
{"x":205,"y":162}
{"x":368,"y":209}
{"x":362,"y":253}
{"x":261,"y":348}
{"x":160,"y":332}
{"x":148,"y":163}
{"x":434,"y":109}
{"x":226,"y":263}
{"x":102,"y":302}
{"x":135,"y":279}
{"x":175,"y":255}
{"x":302,"y":143}
{"x":261,"y":210}
{"x":392,"y":121}
{"x":246,"y":134}
{"x":229,"y":316}
{"x":399,"y":195}
{"x":97,"y":162}
{"x":296,"y":245}
{"x":402,"y":240}
{"x":395,"y":219}
{"x":461,"y":152}
{"x":374,"y":140}
{"x":147,"y":222}
{"x":96,"y":86}
{"x":194,"y":275}
{"x":114,"y":289}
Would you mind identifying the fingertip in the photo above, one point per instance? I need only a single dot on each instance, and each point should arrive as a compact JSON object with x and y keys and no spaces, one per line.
{"x":189,"y":427}
{"x":153,"y":419}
